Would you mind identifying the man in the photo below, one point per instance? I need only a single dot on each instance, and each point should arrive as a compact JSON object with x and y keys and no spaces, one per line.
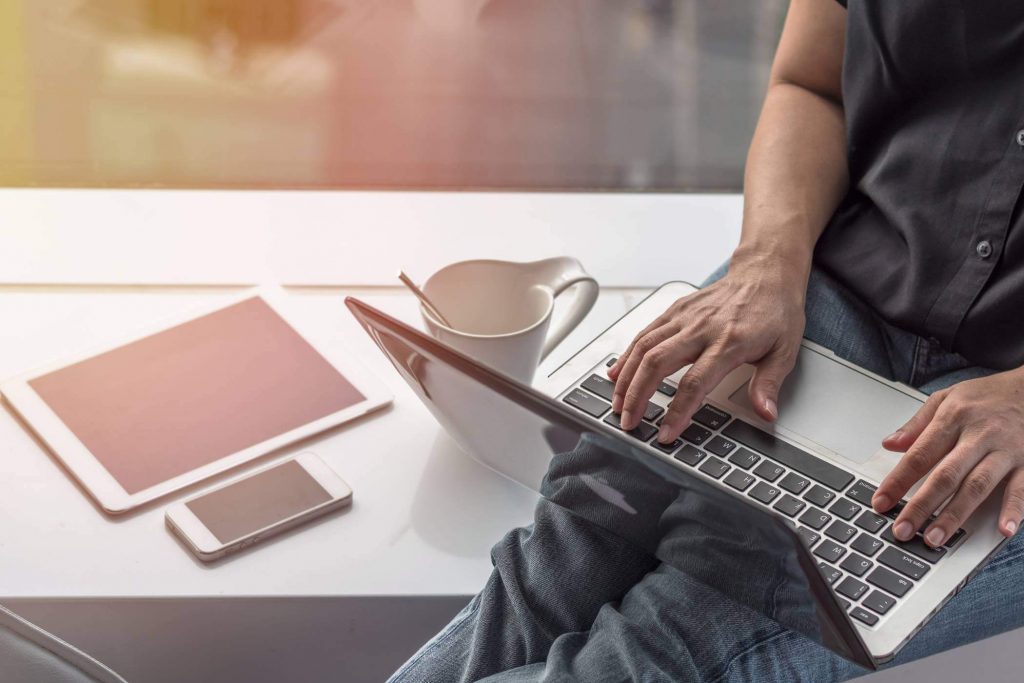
{"x":882,"y":219}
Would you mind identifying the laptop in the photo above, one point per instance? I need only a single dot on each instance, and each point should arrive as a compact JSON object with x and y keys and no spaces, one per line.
{"x":774,"y":516}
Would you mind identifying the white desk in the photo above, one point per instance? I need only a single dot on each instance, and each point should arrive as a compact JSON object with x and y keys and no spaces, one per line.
{"x":83,"y":266}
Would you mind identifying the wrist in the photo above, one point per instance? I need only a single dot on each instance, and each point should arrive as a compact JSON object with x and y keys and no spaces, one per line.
{"x":787,"y":265}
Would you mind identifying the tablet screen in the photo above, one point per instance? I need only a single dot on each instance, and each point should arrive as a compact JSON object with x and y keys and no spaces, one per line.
{"x":166,"y":404}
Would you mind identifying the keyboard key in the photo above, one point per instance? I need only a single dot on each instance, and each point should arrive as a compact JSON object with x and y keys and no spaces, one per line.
{"x":879,"y":602}
{"x":856,"y":564}
{"x":829,"y":551}
{"x":591,"y":405}
{"x":867,"y":545}
{"x":667,"y":389}
{"x":720,"y":446}
{"x":689,"y":455}
{"x":653,"y":411}
{"x":845,"y":603}
{"x":915,"y":546}
{"x":644,"y":431}
{"x":814,"y":518}
{"x":768,"y":470}
{"x":830,"y":573}
{"x":741,"y":457}
{"x":787,"y":454}
{"x":714,"y":468}
{"x":669,"y":448}
{"x":794,"y":483}
{"x":845,"y":508}
{"x":841,"y":531}
{"x":739,"y":480}
{"x":895,"y":558}
{"x":711,"y":417}
{"x":809,"y":537}
{"x":696,"y":434}
{"x":861,"y":614}
{"x":763,"y":492}
{"x":602,"y":386}
{"x":611,"y":362}
{"x":820,"y":496}
{"x":852,"y":588}
{"x":861,"y":492}
{"x":790,"y":506}
{"x":895,"y":511}
{"x":886,"y":580}
{"x":954,"y":539}
{"x":869,"y":521}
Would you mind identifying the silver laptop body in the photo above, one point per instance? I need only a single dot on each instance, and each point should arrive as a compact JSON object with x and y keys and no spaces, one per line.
{"x":805,"y":480}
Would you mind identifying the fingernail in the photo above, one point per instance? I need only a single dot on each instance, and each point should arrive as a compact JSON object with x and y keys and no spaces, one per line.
{"x":616,"y":404}
{"x":881,"y":502}
{"x":935,"y":537}
{"x":771,"y":408}
{"x":663,"y":434}
{"x":1011,"y":526}
{"x":895,"y":435}
{"x":627,"y":419}
{"x":903,"y":531}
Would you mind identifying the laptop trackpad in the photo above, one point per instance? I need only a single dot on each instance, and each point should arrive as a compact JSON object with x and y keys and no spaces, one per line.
{"x":841,"y":410}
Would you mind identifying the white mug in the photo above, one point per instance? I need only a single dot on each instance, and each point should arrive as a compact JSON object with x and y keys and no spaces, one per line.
{"x":500,"y":311}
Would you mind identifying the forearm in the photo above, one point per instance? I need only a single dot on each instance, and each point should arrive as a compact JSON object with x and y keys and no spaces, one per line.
{"x":796,"y":176}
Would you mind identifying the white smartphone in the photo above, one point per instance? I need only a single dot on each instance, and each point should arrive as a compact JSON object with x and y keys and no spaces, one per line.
{"x":271,"y":500}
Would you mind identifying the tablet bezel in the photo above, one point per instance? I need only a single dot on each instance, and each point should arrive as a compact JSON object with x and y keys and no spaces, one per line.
{"x":103,"y":487}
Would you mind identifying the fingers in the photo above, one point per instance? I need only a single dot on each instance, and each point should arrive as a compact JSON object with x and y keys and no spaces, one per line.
{"x":904,"y":437}
{"x":767,"y":380}
{"x":702,"y":377}
{"x":976,"y":487}
{"x":937,"y":439}
{"x":942,"y":483}
{"x":640,"y":349}
{"x":1013,"y":504}
{"x":614,"y":370}
{"x":662,"y":360}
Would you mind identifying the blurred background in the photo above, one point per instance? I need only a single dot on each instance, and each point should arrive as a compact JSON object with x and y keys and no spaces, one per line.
{"x":645,"y":95}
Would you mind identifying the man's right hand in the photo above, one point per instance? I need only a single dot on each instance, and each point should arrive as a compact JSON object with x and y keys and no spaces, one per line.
{"x":755,"y":314}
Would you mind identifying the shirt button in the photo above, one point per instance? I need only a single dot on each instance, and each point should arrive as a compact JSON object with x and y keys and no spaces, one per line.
{"x":1020,"y":137}
{"x":984,"y":249}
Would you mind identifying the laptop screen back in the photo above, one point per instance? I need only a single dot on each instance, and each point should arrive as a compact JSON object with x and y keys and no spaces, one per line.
{"x":597,"y":482}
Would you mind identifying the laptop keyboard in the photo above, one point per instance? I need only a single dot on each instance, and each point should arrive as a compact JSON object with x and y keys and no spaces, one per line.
{"x":829,"y":508}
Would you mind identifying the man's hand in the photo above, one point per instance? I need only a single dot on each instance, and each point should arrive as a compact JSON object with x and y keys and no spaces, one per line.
{"x":755,"y":314}
{"x":973,"y":435}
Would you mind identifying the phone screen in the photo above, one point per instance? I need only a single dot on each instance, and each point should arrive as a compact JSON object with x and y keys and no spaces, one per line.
{"x":259,"y":501}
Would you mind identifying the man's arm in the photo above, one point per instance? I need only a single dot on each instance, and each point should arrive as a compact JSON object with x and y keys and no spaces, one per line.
{"x":796,"y":172}
{"x":796,"y":175}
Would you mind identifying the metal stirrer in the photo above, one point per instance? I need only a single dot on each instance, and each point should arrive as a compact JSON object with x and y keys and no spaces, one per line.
{"x":422,"y":297}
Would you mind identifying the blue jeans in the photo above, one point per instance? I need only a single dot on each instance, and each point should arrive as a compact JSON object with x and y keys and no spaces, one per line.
{"x":562,"y":605}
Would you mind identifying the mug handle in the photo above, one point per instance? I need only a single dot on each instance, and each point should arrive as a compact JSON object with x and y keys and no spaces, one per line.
{"x":557,"y":275}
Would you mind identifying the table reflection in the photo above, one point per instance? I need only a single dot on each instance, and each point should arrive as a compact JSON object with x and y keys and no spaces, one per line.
{"x":584,"y":94}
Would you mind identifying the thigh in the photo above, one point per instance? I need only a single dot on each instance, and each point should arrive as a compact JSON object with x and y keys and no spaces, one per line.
{"x":670,"y":628}
{"x":550,"y":578}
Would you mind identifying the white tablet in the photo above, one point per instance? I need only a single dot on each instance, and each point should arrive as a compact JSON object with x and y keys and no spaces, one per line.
{"x":190,"y":398}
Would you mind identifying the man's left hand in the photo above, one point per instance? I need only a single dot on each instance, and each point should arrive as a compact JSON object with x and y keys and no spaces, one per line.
{"x":972,"y":434}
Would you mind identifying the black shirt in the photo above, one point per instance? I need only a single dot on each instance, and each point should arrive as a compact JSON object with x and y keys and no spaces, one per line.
{"x":931,"y":233}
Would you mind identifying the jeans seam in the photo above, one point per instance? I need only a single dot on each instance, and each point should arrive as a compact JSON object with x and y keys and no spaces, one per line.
{"x":443,"y":638}
{"x":743,"y":653}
